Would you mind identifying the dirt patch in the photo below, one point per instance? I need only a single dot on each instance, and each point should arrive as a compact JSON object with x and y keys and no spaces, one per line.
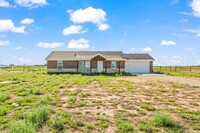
{"x":158,"y":77}
{"x":6,"y":82}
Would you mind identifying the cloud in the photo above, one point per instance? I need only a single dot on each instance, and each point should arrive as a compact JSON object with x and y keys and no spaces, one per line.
{"x":73,"y":29}
{"x":18,"y":48}
{"x":90,"y":14}
{"x":195,"y":4}
{"x":197,"y":32}
{"x":31,"y":3}
{"x":4,"y":3}
{"x":23,"y":60}
{"x":176,"y":60}
{"x":103,"y":27}
{"x":167,"y":43}
{"x":147,"y":49}
{"x":147,"y":21}
{"x":8,"y":25}
{"x":184,"y":13}
{"x":50,"y":45}
{"x":4,"y":43}
{"x":79,"y":44}
{"x":175,"y":1}
{"x":183,"y":20}
{"x":27,"y":21}
{"x":188,"y":49}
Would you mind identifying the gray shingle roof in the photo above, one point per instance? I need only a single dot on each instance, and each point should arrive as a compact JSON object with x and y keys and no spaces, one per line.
{"x":76,"y":55}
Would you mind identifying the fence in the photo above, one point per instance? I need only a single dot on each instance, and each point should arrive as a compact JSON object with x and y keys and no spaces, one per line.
{"x":177,"y":68}
{"x":26,"y":68}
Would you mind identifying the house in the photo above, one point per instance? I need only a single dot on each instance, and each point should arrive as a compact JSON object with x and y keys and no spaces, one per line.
{"x":99,"y":61}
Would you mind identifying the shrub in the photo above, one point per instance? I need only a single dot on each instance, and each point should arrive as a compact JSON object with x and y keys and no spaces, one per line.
{"x":124,"y":127}
{"x":38,"y":116}
{"x":21,"y":127}
{"x":3,"y":111}
{"x":3,"y":97}
{"x":58,"y":122}
{"x":164,"y":120}
{"x":147,"y":106}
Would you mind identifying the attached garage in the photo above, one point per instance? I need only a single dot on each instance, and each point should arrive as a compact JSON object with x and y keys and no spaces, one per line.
{"x":137,"y":67}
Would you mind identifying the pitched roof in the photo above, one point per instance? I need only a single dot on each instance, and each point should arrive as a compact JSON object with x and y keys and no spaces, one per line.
{"x":87,"y":55}
{"x":138,"y":56}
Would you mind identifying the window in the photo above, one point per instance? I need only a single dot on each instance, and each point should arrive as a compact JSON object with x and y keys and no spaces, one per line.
{"x":81,"y":64}
{"x":59,"y":64}
{"x":87,"y":64}
{"x":84,"y":64}
{"x":113,"y":64}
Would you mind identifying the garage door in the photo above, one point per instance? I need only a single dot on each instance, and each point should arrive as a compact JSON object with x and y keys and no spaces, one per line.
{"x":137,"y":67}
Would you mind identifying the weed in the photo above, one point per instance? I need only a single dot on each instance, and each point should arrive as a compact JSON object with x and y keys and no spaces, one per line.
{"x":90,"y":126}
{"x":147,"y":106}
{"x":22,"y":127}
{"x":164,"y":120}
{"x":3,"y":111}
{"x":124,"y":127}
{"x":3,"y":97}
{"x":38,"y":116}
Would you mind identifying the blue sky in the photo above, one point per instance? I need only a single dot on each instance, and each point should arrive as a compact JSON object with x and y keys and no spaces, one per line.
{"x":169,"y":30}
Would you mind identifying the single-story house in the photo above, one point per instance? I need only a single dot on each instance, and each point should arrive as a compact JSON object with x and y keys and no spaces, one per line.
{"x":99,"y":61}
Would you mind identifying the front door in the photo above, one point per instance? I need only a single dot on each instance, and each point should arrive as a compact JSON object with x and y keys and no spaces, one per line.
{"x":100,"y":66}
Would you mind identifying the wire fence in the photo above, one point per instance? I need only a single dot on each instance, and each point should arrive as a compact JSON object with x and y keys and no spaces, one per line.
{"x":177,"y":68}
{"x":25,"y":68}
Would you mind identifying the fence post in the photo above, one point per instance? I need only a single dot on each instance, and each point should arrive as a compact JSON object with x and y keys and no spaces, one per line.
{"x":190,"y":69}
{"x":175,"y":68}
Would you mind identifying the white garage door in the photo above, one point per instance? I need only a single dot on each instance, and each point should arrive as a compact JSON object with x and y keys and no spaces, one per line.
{"x":137,"y":66}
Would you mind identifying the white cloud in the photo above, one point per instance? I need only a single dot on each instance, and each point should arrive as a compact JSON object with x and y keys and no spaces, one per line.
{"x":183,"y":20}
{"x":79,"y":44}
{"x":147,"y":21}
{"x":73,"y":29}
{"x":19,"y":29}
{"x":4,"y":43}
{"x":176,"y":60}
{"x":31,"y":3}
{"x":188,"y":49}
{"x":90,"y":14}
{"x":27,"y":21}
{"x":103,"y":27}
{"x":167,"y":43}
{"x":50,"y":45}
{"x":147,"y":49}
{"x":4,"y":3}
{"x":22,"y":60}
{"x":18,"y":48}
{"x":184,"y":13}
{"x":8,"y":25}
{"x":197,"y":32}
{"x":195,"y":4}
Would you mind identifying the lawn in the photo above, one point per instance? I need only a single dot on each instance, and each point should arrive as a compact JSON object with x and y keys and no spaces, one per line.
{"x":38,"y":102}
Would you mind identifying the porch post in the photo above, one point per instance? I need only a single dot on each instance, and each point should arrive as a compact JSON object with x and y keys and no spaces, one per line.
{"x":77,"y":67}
{"x":105,"y":66}
{"x":119,"y":66}
{"x":90,"y":66}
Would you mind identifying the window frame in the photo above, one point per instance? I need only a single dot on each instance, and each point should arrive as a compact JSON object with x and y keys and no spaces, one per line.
{"x":88,"y":64}
{"x":114,"y":65}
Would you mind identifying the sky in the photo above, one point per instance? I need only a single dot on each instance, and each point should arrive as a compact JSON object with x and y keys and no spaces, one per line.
{"x":168,"y":30}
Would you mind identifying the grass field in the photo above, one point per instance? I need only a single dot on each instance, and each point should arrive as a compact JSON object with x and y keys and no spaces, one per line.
{"x":37,"y":102}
